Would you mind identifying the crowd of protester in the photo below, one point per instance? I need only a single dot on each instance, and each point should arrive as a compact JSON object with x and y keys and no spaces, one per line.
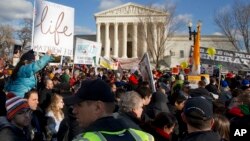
{"x":45,"y":103}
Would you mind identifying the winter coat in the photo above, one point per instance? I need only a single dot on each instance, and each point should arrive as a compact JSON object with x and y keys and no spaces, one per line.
{"x":129,"y":119}
{"x":212,"y":88}
{"x":157,"y":104}
{"x":202,"y":136}
{"x":201,"y":92}
{"x":45,"y":98}
{"x":26,"y":79}
{"x":52,"y":126}
{"x":181,"y":127}
{"x":9,"y":132}
{"x":69,"y":127}
{"x":37,"y":126}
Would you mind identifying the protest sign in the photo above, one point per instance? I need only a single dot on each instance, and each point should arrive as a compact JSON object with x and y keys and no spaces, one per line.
{"x":53,"y":28}
{"x":106,"y":63}
{"x":146,"y":72}
{"x":87,"y":52}
{"x":230,"y":60}
{"x":194,"y":79}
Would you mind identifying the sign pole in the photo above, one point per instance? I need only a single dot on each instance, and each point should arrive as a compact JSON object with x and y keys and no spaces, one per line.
{"x":220,"y":67}
{"x":61,"y":61}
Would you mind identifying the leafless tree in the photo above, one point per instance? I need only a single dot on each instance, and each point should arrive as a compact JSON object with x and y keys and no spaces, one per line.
{"x":25,"y":33}
{"x":158,"y":33}
{"x":235,"y":24}
{"x":6,"y":37}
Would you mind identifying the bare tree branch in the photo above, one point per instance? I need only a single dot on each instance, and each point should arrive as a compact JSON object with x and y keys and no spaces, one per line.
{"x":6,"y":37}
{"x":25,"y":34}
{"x":159,"y":32}
{"x":241,"y":13}
{"x":234,"y":23}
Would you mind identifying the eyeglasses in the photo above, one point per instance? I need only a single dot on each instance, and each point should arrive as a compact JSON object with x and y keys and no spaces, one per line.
{"x":25,"y":111}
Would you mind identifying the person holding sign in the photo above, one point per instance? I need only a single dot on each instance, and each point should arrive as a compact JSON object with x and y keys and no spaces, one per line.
{"x":23,"y":77}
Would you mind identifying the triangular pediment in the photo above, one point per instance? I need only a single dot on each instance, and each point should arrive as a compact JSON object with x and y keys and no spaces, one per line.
{"x":130,"y":9}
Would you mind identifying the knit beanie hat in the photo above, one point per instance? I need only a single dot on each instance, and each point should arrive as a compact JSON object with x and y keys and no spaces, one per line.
{"x":14,"y":105}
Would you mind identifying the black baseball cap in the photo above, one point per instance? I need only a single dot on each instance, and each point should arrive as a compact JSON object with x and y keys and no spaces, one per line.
{"x":198,"y":108}
{"x":94,"y":90}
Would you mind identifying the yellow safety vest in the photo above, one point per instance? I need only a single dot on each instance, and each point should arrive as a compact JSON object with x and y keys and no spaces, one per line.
{"x":97,"y":136}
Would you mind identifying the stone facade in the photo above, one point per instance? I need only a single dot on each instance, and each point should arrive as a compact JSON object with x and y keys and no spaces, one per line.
{"x":120,"y":31}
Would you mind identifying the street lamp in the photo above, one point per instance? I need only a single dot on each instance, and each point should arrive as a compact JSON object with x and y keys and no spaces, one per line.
{"x":193,"y":33}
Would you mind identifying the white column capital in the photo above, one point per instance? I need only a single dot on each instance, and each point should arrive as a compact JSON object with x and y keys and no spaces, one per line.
{"x":116,"y":23}
{"x":125,"y":23}
{"x":135,"y":23}
{"x":107,"y":24}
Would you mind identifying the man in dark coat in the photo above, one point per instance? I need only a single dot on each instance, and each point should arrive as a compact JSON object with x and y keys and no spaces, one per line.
{"x":45,"y":95}
{"x":130,"y":109}
{"x":201,"y":91}
{"x":212,"y":87}
{"x":198,"y":115}
{"x":157,"y":104}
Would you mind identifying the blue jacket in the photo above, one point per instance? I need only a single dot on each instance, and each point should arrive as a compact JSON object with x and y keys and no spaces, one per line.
{"x":26,"y":79}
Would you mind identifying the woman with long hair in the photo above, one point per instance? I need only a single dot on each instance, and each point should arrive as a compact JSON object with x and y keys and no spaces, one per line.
{"x":23,"y":78}
{"x":222,"y":126}
{"x":55,"y":116}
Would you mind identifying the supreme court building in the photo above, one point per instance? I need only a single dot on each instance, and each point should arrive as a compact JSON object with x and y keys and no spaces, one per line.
{"x":120,"y":30}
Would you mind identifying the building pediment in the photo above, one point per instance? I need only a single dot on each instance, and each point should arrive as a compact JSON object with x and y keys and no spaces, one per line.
{"x":130,"y":9}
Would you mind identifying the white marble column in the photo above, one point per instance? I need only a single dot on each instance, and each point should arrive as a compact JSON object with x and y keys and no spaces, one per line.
{"x":107,"y":41}
{"x":98,"y":34}
{"x":125,"y":34}
{"x":155,"y":36}
{"x":134,"y":51}
{"x":159,"y":35}
{"x":145,"y":44}
{"x":116,"y":44}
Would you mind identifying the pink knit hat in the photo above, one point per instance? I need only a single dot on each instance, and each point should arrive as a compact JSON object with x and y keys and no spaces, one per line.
{"x":14,"y":105}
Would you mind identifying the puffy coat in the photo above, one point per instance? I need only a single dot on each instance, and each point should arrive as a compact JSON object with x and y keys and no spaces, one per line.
{"x":9,"y":132}
{"x":26,"y":79}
